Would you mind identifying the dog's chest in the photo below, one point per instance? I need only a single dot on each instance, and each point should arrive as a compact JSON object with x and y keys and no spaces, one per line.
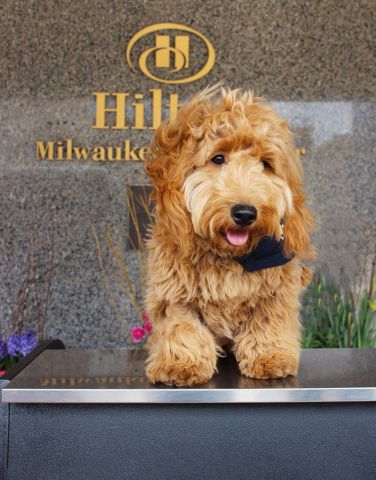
{"x":223,"y":285}
{"x":227,"y":295}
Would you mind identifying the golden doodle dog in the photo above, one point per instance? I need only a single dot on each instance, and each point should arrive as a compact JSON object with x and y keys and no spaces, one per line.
{"x":225,"y":254}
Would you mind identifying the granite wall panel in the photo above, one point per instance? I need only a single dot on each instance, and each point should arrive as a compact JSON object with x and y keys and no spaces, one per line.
{"x":315,"y":61}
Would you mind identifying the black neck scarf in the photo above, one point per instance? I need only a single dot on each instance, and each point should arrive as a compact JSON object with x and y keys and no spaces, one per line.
{"x":267,"y":254}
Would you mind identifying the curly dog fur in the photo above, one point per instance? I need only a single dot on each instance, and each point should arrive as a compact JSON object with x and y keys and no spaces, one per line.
{"x":201,"y":300}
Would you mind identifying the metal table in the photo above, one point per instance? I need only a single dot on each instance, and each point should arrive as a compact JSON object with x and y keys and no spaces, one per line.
{"x":85,"y":414}
{"x":105,"y":376}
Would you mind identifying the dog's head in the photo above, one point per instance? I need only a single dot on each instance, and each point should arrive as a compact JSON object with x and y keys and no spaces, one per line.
{"x":225,"y":172}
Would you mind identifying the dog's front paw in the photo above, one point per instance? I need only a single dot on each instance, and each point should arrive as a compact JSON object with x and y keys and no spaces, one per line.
{"x":270,"y":365}
{"x":179,"y":374}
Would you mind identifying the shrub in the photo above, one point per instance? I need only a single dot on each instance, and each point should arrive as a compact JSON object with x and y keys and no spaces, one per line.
{"x":335,"y":319}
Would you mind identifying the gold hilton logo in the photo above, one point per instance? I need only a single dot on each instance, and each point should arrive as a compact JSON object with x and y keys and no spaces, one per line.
{"x":165,"y":53}
{"x":168,"y":59}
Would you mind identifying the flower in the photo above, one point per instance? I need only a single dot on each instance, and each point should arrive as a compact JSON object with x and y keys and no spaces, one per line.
{"x":148,"y":326}
{"x":3,"y":349}
{"x":28,"y":342}
{"x":137,"y":333}
{"x":2,"y":373}
{"x":147,"y":323}
{"x":14,"y":345}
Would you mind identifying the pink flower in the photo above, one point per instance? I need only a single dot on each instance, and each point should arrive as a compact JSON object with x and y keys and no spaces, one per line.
{"x":137,"y":333}
{"x":2,"y":373}
{"x":148,"y":326}
{"x":145,"y":317}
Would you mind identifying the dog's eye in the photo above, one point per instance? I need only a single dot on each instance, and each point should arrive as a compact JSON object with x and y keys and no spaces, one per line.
{"x":267,"y":164}
{"x":218,"y":159}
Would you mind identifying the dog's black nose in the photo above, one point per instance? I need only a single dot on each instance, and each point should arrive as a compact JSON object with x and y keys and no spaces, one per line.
{"x":243,"y":214}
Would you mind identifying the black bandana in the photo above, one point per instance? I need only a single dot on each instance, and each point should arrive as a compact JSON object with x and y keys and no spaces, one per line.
{"x":267,"y":254}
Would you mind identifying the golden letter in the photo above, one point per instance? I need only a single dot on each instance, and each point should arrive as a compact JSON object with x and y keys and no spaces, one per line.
{"x":138,"y":113}
{"x":129,"y":153}
{"x":99,"y":154}
{"x":45,"y":150}
{"x":69,"y":145}
{"x":110,"y":153}
{"x":174,"y":105}
{"x":80,"y":152}
{"x":60,"y":150}
{"x":157,"y":107}
{"x":119,"y":109}
{"x":142,"y":153}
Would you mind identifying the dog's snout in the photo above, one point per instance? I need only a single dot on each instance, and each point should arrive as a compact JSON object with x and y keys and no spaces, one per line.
{"x":243,"y":214}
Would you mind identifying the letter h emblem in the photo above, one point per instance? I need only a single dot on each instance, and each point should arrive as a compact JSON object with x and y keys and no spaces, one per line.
{"x":180,"y":51}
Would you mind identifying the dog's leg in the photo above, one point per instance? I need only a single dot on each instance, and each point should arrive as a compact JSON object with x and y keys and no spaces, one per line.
{"x":182,"y":350}
{"x":268,"y":345}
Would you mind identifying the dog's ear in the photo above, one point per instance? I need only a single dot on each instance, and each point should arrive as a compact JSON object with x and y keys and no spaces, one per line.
{"x":299,"y":220}
{"x":168,"y":162}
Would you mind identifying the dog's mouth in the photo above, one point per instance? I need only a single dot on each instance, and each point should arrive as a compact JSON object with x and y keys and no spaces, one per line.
{"x":236,"y":237}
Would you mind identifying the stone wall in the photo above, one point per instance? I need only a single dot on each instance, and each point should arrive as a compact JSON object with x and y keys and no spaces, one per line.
{"x":315,"y":61}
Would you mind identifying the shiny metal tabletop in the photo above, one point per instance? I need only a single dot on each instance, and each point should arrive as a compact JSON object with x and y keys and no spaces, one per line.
{"x":117,"y":376}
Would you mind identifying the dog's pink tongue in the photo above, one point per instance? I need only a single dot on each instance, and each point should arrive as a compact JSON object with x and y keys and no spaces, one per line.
{"x":237,"y":237}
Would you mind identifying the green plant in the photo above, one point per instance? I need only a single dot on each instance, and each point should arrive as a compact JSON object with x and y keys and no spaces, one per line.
{"x":334,"y":319}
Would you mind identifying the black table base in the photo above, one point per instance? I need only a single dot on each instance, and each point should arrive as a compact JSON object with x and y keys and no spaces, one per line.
{"x":184,"y":441}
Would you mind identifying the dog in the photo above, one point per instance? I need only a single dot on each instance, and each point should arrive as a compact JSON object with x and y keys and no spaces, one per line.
{"x":225,"y":254}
